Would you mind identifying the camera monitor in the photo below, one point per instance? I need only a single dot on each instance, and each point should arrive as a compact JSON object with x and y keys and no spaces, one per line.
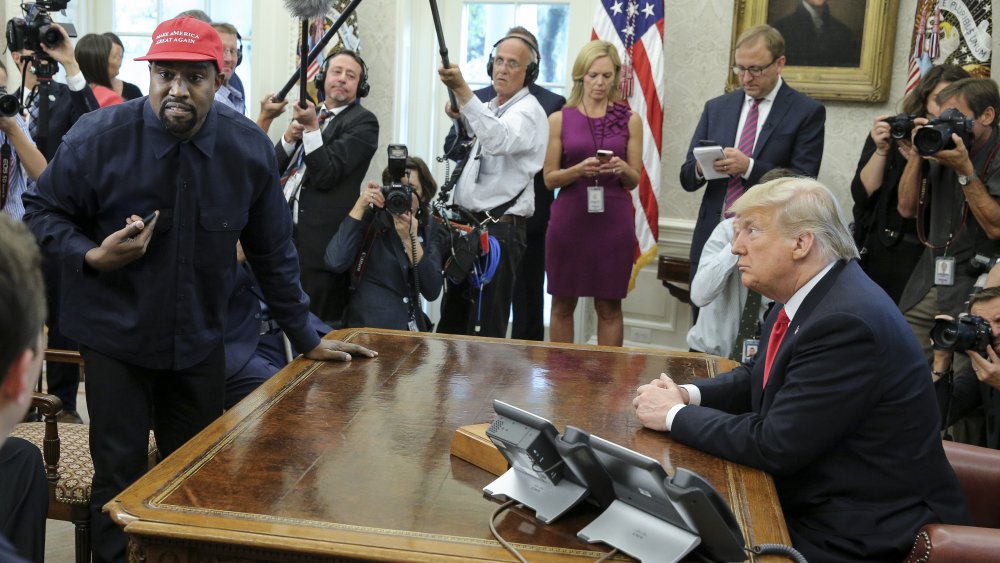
{"x":642,"y":521}
{"x":538,"y":477}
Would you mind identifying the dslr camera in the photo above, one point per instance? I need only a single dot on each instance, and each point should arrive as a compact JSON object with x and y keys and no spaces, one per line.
{"x":36,"y":28}
{"x":968,"y":332}
{"x":398,"y":196}
{"x":936,"y":135}
{"x":900,"y":126}
{"x":9,"y":104}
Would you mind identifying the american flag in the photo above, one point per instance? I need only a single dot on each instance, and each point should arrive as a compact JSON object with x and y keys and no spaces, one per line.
{"x":636,"y":28}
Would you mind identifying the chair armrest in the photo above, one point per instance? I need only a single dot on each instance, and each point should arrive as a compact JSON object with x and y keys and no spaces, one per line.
{"x":945,"y":542}
{"x":49,"y":406}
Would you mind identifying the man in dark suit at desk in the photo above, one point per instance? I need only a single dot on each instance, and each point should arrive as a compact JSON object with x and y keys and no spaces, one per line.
{"x":836,"y":404}
{"x":324,"y":157}
{"x":764,"y":125}
{"x":529,"y":300}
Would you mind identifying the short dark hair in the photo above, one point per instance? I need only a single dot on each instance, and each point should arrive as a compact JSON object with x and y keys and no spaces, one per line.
{"x":978,"y":93}
{"x":986,"y":294}
{"x":427,"y":183}
{"x":772,"y":38}
{"x":92,"y":53}
{"x":916,"y":102}
{"x":780,"y":172}
{"x":22,"y":292}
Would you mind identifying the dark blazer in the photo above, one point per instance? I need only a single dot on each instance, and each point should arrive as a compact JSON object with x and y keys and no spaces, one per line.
{"x":551,"y":103}
{"x":332,"y":181}
{"x":847,"y":425}
{"x":381,"y":297}
{"x":967,"y":393}
{"x":64,"y":110}
{"x":791,"y":137}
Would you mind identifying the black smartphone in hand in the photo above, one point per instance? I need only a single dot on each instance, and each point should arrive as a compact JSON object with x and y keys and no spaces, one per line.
{"x":148,"y":219}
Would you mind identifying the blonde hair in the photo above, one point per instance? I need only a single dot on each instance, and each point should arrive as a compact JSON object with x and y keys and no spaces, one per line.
{"x":588,"y":54}
{"x":773,"y":39}
{"x":803,"y":205}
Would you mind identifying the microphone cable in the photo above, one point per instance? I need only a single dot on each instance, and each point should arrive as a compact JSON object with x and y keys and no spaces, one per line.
{"x":779,"y":549}
{"x":479,"y":280}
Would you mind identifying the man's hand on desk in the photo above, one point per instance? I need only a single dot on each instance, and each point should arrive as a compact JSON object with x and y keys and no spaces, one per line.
{"x":655,"y":399}
{"x":339,"y":351}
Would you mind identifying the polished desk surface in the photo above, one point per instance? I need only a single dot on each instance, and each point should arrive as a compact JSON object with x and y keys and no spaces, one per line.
{"x":351,"y":460}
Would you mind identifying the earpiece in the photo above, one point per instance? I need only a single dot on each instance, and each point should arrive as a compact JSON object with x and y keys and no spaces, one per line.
{"x":363,"y":87}
{"x":530,"y":73}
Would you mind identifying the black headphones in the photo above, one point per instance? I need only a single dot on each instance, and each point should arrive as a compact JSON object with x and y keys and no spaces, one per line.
{"x":363,"y":87}
{"x":530,"y":73}
{"x":239,"y":49}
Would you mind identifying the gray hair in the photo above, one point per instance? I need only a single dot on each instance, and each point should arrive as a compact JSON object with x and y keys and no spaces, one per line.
{"x":803,"y":205}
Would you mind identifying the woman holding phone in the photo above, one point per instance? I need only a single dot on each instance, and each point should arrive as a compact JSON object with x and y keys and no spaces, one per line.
{"x":594,"y":156}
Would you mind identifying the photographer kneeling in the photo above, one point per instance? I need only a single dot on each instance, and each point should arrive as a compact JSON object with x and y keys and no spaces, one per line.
{"x":978,"y":335}
{"x":383,"y":241}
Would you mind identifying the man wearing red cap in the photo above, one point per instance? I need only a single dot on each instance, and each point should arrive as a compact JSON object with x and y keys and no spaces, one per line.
{"x":147,"y":299}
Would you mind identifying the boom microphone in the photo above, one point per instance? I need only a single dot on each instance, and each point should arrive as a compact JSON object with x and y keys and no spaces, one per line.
{"x":308,"y":9}
{"x":304,"y":10}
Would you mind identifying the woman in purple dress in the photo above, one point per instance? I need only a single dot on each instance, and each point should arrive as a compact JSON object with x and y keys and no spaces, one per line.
{"x":595,"y":157}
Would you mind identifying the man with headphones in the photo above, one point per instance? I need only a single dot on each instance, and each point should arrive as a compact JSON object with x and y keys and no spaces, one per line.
{"x":496,"y":185}
{"x":324,"y":157}
{"x":529,"y":293}
{"x":232,"y":56}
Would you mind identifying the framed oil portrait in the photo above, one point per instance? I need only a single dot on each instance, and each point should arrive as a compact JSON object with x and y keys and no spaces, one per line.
{"x":834,"y":49}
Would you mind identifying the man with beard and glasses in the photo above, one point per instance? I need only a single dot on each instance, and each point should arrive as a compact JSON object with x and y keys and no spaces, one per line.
{"x":146,"y":243}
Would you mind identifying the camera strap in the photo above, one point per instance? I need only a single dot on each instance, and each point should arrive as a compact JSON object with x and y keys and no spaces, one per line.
{"x":6,"y":165}
{"x":364,"y":253}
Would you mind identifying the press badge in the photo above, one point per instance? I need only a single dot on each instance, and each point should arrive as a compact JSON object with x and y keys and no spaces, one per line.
{"x":595,"y":199}
{"x":944,"y":270}
{"x":750,"y":346}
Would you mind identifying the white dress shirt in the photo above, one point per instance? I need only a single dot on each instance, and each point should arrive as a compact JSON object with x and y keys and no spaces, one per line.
{"x":509,"y":151}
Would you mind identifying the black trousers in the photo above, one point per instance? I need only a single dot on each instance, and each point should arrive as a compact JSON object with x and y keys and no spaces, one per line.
{"x":127,"y":401}
{"x":463,"y":309}
{"x":63,"y":379}
{"x":24,"y":498}
{"x":529,"y":292}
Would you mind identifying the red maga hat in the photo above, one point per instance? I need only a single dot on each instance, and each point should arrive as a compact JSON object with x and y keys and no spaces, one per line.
{"x":185,"y":39}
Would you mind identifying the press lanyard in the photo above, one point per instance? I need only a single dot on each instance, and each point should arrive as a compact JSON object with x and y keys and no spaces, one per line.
{"x":6,"y":163}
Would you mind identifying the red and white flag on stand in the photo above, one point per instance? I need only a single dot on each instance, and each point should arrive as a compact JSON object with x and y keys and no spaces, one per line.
{"x":636,"y":28}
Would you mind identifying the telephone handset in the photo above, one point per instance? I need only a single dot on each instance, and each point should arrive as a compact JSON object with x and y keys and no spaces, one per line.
{"x":709,"y":515}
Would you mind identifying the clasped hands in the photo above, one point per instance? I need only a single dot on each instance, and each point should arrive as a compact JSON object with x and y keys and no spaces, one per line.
{"x":654,"y":400}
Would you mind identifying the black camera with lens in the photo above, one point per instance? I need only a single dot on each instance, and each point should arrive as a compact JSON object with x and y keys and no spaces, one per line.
{"x":936,"y":135}
{"x":398,"y":196}
{"x":31,"y":31}
{"x":981,"y":264}
{"x":969,"y":332}
{"x":9,"y":104}
{"x":900,"y":126}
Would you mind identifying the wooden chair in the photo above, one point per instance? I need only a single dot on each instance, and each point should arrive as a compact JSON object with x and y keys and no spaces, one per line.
{"x":68,"y":466}
{"x":978,"y":471}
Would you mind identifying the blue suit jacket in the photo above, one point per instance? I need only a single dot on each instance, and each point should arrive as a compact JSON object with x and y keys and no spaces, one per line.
{"x":791,"y":137}
{"x":848,"y":425}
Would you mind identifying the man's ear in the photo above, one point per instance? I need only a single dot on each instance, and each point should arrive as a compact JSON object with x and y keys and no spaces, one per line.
{"x":19,"y":381}
{"x":219,"y":79}
{"x":989,"y":116}
{"x":804,"y":243}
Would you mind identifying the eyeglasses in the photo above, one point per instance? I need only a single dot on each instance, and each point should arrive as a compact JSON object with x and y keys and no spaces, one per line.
{"x":512,"y":65}
{"x":230,"y":52}
{"x":754,"y":71}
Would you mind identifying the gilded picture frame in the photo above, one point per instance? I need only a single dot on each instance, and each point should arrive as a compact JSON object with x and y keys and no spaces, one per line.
{"x":858,"y":70}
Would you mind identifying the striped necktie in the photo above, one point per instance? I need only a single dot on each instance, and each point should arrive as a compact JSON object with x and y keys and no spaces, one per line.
{"x":747,"y":141}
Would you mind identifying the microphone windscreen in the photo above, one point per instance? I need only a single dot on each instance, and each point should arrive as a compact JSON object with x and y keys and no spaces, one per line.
{"x":308,"y":9}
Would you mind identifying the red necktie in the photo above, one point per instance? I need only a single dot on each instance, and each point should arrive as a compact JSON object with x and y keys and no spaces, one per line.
{"x":774,"y":341}
{"x":747,"y":140}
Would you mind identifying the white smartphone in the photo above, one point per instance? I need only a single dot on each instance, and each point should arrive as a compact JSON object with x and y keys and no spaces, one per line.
{"x":604,"y":155}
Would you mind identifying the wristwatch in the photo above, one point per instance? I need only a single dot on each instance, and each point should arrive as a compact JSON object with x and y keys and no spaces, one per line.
{"x":966,"y":180}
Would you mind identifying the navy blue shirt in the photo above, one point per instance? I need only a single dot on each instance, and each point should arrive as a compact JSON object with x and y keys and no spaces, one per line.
{"x":166,"y":310}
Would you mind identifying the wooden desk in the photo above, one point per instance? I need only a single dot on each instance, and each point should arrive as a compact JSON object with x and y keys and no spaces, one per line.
{"x":331,"y":461}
